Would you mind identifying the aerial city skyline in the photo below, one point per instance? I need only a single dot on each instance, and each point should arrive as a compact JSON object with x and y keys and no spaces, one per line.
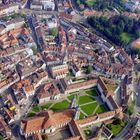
{"x":69,"y":70}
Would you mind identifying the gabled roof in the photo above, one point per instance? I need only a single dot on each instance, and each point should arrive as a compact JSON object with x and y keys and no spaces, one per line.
{"x":46,"y":119}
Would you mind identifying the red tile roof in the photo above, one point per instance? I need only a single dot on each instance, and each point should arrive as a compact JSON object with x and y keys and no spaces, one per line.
{"x":46,"y":119}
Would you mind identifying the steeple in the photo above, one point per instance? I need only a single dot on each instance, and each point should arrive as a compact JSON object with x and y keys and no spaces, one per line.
{"x":65,"y":60}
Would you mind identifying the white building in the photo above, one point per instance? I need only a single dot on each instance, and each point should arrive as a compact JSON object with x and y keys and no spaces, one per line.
{"x":75,"y":70}
{"x":48,"y":5}
{"x":52,"y":23}
{"x":132,"y":5}
{"x":59,"y":71}
{"x":36,"y":5}
{"x":106,"y":96}
{"x":9,"y":9}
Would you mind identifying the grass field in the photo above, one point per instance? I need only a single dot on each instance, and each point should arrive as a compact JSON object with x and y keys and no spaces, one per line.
{"x":131,"y":108}
{"x":87,"y":101}
{"x":89,"y":109}
{"x":90,"y":3}
{"x":31,"y":114}
{"x":35,"y":109}
{"x":125,"y":37}
{"x":116,"y":127}
{"x":60,"y":106}
{"x":89,"y":104}
{"x":1,"y":138}
{"x":100,"y":109}
{"x":88,"y":133}
{"x":91,"y":92}
{"x":71,"y":97}
{"x":46,"y":106}
{"x":82,"y":116}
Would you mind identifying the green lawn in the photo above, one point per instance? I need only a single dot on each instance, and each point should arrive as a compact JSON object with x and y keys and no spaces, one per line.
{"x":85,"y":99}
{"x":91,"y":92}
{"x":46,"y":106}
{"x":90,"y":3}
{"x":125,"y":37}
{"x":60,"y":106}
{"x":116,"y":126}
{"x":88,"y":133}
{"x":131,"y":108}
{"x":36,"y":109}
{"x":115,"y":129}
{"x":89,"y":109}
{"x":82,"y":116}
{"x":1,"y":138}
{"x":31,"y":114}
{"x":101,"y":109}
{"x":71,"y":97}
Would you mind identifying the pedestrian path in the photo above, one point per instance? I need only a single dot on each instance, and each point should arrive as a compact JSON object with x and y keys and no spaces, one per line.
{"x":88,"y":103}
{"x":83,"y":112}
{"x":95,"y":109}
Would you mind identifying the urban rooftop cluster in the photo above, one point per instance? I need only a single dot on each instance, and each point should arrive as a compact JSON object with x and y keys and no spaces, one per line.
{"x":60,"y":78}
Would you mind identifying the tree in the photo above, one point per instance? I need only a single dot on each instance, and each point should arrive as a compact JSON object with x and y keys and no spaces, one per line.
{"x":117,"y":121}
{"x":90,"y":3}
{"x":26,"y":25}
{"x":121,"y":2}
{"x":129,"y":25}
{"x":5,"y":18}
{"x":138,"y":33}
{"x":137,"y":11}
{"x":103,"y":21}
{"x":89,"y":69}
{"x":54,"y":32}
{"x":34,"y":49}
{"x":114,"y":28}
{"x":1,"y":138}
{"x":107,"y":32}
{"x":78,"y":2}
{"x":121,"y":25}
{"x":119,"y":30}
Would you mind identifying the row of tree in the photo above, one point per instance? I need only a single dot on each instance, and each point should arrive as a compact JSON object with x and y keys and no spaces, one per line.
{"x":114,"y":27}
{"x":102,"y":4}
